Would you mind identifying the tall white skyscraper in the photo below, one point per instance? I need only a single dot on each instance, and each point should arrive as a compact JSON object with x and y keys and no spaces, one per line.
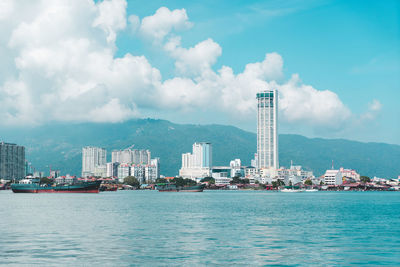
{"x":267,"y":132}
{"x":202,"y":155}
{"x":198,"y":163}
{"x":91,"y":158}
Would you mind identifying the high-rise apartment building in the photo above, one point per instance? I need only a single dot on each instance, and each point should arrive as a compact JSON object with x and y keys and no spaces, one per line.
{"x":131,"y":156}
{"x":198,"y":163}
{"x":12,"y":161}
{"x":267,"y":132}
{"x":91,"y":158}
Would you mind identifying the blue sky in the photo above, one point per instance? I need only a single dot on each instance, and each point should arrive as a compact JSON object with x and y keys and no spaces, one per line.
{"x":336,"y":64}
{"x":349,"y":47}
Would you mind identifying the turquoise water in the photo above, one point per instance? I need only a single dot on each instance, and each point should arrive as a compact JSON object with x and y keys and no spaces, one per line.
{"x":210,"y":228}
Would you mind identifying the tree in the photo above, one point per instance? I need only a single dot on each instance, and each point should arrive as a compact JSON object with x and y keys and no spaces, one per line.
{"x":210,"y":180}
{"x":321,"y":183}
{"x":179,"y":181}
{"x":365,"y":179}
{"x":280,"y":182}
{"x":308,"y":182}
{"x":161,"y":181}
{"x":45,"y":180}
{"x":132,"y":181}
{"x":236,"y":180}
{"x":290,"y":183}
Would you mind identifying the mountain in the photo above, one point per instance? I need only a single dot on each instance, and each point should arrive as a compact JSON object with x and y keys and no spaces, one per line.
{"x":59,"y":145}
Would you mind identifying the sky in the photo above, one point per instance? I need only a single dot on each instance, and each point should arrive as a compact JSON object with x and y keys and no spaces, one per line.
{"x":335,"y":64}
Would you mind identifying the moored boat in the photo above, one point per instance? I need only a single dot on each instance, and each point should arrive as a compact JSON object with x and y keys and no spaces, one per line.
{"x":194,"y":188}
{"x":81,"y":187}
{"x":174,"y":188}
{"x":167,"y":188}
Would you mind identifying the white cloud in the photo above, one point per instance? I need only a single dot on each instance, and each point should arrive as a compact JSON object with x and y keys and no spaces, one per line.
{"x":6,"y":9}
{"x":111,"y":18}
{"x":375,"y":105}
{"x":195,"y":60}
{"x":134,"y":23}
{"x":303,"y":103}
{"x":60,"y":65}
{"x":374,"y":108}
{"x":159,"y":25}
{"x":64,"y":66}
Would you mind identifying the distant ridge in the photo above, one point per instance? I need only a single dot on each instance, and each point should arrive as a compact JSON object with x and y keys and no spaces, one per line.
{"x":59,"y":145}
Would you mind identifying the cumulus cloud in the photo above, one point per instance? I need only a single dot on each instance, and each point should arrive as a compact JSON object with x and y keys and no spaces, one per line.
{"x":374,"y":108}
{"x":195,"y":60}
{"x":159,"y":25}
{"x":111,"y":17}
{"x":300,"y":102}
{"x":59,"y":65}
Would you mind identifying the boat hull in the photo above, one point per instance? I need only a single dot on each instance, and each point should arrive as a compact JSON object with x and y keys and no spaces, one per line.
{"x":174,"y":188}
{"x":196,"y":188}
{"x":85,"y":187}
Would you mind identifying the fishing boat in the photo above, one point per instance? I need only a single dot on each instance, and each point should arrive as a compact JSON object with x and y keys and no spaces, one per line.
{"x":27,"y":186}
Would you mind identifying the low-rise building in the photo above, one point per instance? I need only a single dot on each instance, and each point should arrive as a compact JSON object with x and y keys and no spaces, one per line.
{"x":350,"y":174}
{"x":333,"y":177}
{"x":100,"y":171}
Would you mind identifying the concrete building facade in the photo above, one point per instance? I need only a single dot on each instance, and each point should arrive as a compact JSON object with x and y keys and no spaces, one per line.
{"x":91,"y":158}
{"x":197,"y":164}
{"x":267,"y":132}
{"x":12,"y":161}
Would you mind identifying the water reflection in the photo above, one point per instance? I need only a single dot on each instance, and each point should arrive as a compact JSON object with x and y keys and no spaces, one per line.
{"x":209,"y":228}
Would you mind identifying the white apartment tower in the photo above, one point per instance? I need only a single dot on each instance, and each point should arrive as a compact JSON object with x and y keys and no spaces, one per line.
{"x":198,"y":163}
{"x":134,"y":156}
{"x":91,"y":158}
{"x":267,"y":132}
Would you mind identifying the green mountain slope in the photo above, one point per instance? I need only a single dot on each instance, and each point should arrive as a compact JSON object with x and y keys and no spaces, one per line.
{"x":60,"y":145}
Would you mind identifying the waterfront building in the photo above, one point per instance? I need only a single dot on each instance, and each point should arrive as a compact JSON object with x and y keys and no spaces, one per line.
{"x":112,"y":169}
{"x":54,"y":173}
{"x":121,"y":156}
{"x":92,"y":157}
{"x":156,"y":164}
{"x":221,"y":172}
{"x":143,"y":173}
{"x":124,"y":170}
{"x":267,"y":132}
{"x":198,"y":164}
{"x":250,"y":172}
{"x":295,"y":174}
{"x":254,"y":162}
{"x":333,"y":177}
{"x":38,"y":174}
{"x":236,"y":168}
{"x":131,"y":156}
{"x":12,"y":161}
{"x":221,"y":181}
{"x":100,"y":171}
{"x":67,"y":179}
{"x":350,"y":173}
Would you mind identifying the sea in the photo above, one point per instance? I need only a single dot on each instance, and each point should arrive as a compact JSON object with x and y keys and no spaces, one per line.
{"x":216,"y":228}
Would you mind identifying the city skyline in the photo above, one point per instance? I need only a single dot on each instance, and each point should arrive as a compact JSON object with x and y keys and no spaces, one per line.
{"x":202,"y":62}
